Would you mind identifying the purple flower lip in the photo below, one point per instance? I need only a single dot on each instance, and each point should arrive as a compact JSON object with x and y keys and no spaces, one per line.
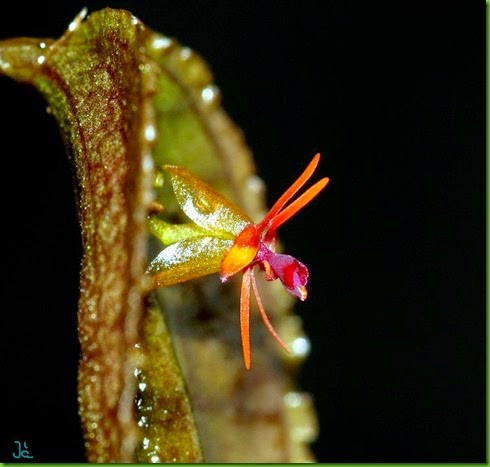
{"x":292,"y":273}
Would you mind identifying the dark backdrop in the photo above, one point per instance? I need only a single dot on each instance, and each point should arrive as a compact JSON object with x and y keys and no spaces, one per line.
{"x":393,"y":97}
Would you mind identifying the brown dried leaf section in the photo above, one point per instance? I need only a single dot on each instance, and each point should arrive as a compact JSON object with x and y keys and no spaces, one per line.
{"x":108,"y":98}
{"x":102,"y":98}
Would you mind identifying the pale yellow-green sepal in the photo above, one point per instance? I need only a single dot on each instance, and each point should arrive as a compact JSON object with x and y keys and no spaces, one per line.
{"x":205,"y":206}
{"x":188,"y":259}
{"x":172,"y":233}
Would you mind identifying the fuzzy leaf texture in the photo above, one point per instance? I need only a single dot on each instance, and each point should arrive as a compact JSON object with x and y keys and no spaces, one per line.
{"x":161,"y":376}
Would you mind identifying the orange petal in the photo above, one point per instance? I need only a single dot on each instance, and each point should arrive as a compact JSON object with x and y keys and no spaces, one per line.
{"x":245,"y":317}
{"x":242,"y":253}
{"x":290,"y":192}
{"x":295,"y":206}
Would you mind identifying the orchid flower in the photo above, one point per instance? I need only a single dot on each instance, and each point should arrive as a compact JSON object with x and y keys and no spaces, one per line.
{"x":221,"y":238}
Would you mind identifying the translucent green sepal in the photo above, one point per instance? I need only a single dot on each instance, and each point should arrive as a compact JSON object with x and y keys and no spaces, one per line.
{"x":205,"y":206}
{"x":172,"y":233}
{"x":188,"y":259}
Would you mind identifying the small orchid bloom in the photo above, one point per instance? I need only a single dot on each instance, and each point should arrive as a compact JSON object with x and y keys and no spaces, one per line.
{"x":221,"y":238}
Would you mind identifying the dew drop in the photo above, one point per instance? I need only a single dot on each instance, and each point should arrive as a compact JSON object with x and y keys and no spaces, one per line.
{"x":301,"y":347}
{"x":4,"y":65}
{"x":255,"y":184}
{"x":210,"y":94}
{"x":293,"y":399}
{"x":78,"y":19}
{"x":185,"y":54}
{"x":150,"y":133}
{"x":162,"y":43}
{"x":301,"y":416}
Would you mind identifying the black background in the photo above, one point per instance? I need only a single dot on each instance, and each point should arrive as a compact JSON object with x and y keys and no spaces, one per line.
{"x":392,"y":94}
